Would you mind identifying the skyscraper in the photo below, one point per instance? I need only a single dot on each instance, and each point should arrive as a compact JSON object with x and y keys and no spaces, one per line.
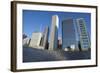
{"x":83,"y":35}
{"x":54,"y":33}
{"x":69,"y":35}
{"x":44,"y":40}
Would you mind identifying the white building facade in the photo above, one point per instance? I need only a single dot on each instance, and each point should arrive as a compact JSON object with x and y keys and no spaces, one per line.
{"x":54,"y":33}
{"x":35,"y":40}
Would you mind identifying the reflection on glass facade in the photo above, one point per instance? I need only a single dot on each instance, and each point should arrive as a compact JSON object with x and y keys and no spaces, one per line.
{"x":83,"y":35}
{"x":69,"y":35}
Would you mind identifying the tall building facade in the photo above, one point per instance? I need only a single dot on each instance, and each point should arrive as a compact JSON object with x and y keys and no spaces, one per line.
{"x":83,"y":35}
{"x":69,"y":35}
{"x":35,"y":40}
{"x":44,"y":41}
{"x":54,"y":33}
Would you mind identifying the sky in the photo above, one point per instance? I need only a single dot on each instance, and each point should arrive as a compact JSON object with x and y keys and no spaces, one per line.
{"x":36,"y":21}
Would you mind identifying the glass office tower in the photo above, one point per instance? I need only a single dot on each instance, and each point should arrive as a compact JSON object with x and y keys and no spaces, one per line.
{"x":83,"y":35}
{"x":69,"y":35}
{"x":54,"y":33}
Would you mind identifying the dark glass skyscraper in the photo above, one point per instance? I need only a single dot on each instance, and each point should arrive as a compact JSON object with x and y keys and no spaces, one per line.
{"x":69,"y":35}
{"x":83,"y":34}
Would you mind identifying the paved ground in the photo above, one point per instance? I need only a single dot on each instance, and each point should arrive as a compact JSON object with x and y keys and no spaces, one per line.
{"x":36,"y":55}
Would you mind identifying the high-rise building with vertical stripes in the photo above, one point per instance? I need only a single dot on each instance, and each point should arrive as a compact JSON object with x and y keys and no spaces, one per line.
{"x":83,"y":34}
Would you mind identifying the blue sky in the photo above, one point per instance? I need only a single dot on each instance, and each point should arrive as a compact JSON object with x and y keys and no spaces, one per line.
{"x":37,"y":20}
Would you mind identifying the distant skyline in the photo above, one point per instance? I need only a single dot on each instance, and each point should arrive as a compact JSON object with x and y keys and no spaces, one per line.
{"x":36,"y":21}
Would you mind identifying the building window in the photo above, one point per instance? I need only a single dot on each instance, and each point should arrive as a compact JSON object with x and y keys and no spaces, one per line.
{"x":85,"y":41}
